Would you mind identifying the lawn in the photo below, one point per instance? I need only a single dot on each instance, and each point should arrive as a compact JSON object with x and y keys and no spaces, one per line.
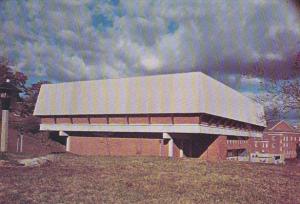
{"x":74,"y":179}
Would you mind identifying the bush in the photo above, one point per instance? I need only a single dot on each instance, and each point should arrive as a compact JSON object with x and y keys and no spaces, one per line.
{"x":3,"y":156}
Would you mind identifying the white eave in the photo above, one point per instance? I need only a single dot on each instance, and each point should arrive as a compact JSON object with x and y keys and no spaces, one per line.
{"x":201,"y":129}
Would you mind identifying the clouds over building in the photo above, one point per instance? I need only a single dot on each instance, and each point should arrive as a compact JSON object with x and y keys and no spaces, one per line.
{"x":79,"y":40}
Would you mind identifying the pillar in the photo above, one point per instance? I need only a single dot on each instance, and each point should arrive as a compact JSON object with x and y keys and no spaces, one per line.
{"x":170,"y":144}
{"x":171,"y":148}
{"x":68,"y":144}
{"x":21,"y":144}
{"x":181,"y":149}
{"x":4,"y":130}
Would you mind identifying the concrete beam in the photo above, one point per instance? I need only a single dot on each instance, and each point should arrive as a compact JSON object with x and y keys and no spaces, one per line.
{"x":181,"y":149}
{"x":150,"y":128}
{"x":166,"y":136}
{"x":63,"y":134}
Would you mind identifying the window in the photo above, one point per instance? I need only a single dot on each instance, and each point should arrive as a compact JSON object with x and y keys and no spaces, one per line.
{"x":273,"y":146}
{"x":274,"y":138}
{"x":266,"y":145}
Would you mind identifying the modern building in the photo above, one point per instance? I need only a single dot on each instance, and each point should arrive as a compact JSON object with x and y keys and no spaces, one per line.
{"x":175,"y":115}
{"x":280,"y":141}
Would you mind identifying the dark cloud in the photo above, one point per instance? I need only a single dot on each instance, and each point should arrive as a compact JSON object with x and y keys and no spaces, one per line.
{"x":62,"y":40}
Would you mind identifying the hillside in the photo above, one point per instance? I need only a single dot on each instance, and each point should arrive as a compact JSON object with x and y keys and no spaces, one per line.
{"x":34,"y":141}
{"x":74,"y":179}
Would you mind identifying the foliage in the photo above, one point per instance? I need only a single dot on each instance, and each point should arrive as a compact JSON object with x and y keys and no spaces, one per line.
{"x":17,"y":78}
{"x":29,"y":94}
{"x":30,"y":97}
{"x":281,"y":89}
{"x":3,"y":156}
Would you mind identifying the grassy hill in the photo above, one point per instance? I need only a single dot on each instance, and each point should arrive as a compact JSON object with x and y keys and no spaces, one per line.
{"x":74,"y":179}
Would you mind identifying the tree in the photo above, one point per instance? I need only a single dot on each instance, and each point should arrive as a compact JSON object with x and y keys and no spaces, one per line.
{"x":29,"y":94}
{"x":30,"y":97}
{"x":17,"y":78}
{"x":281,"y":89}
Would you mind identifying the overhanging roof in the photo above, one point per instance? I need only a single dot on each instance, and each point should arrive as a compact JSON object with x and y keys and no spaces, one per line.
{"x":173,"y":93}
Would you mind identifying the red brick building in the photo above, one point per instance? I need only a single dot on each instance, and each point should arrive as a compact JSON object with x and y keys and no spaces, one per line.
{"x":173,"y":115}
{"x":279,"y":139}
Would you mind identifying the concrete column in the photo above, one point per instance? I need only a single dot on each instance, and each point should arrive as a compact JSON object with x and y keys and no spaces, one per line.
{"x":170,"y":144}
{"x":4,"y":130}
{"x":18,"y":141}
{"x":181,"y":149}
{"x":21,"y":144}
{"x":171,"y":147}
{"x":68,"y":144}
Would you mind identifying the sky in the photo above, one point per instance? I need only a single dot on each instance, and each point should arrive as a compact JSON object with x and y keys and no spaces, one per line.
{"x":64,"y":40}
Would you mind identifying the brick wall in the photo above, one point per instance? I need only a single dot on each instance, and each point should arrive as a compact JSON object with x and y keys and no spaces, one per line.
{"x":80,"y":120}
{"x":275,"y":142}
{"x":186,"y":119}
{"x":125,"y":119}
{"x":138,"y":120}
{"x":216,"y":149}
{"x":99,"y":120}
{"x":48,"y":120}
{"x":63,"y":120}
{"x":117,"y":146}
{"x":207,"y":147}
{"x":161,"y":120}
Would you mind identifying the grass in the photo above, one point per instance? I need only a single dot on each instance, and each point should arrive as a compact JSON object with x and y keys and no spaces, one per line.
{"x":74,"y":179}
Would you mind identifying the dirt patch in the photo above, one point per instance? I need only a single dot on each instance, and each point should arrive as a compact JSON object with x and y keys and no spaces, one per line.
{"x":25,"y":160}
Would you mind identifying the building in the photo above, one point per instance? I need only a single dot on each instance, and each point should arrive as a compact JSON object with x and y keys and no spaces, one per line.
{"x":280,"y":141}
{"x":175,"y":115}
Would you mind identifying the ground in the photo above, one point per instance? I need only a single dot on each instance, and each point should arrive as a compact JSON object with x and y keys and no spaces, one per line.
{"x":95,"y":179}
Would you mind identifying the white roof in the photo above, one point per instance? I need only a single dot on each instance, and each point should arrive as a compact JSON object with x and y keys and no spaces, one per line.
{"x":192,"y":92}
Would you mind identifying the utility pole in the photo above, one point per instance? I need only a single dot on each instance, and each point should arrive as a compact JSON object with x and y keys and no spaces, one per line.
{"x":21,"y":142}
{"x":4,"y":130}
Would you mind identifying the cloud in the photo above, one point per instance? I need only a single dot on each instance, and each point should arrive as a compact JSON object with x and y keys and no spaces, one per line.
{"x":80,"y":40}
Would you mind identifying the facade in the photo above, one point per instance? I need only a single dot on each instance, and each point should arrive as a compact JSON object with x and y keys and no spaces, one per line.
{"x":280,"y":141}
{"x":175,"y":115}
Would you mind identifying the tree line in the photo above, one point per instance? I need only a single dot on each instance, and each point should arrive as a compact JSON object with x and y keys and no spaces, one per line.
{"x":28,"y":93}
{"x":22,"y":118}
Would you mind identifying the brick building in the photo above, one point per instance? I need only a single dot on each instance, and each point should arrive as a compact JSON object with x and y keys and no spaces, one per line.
{"x":279,"y":140}
{"x":175,"y":115}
